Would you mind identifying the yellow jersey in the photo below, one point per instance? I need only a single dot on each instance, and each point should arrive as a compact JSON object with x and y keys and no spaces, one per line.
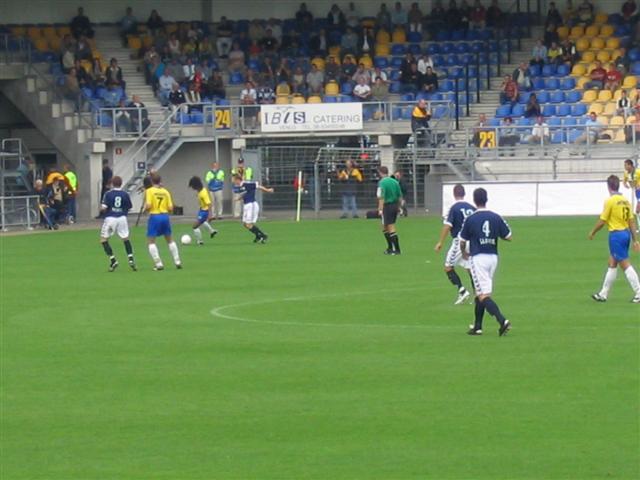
{"x":616,"y":213}
{"x":633,"y":179}
{"x":158,"y":200}
{"x":204,"y":199}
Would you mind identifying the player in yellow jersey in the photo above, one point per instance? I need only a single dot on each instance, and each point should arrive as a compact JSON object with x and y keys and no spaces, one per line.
{"x":631,"y":180}
{"x":157,"y":201}
{"x":617,"y":216}
{"x":204,"y":213}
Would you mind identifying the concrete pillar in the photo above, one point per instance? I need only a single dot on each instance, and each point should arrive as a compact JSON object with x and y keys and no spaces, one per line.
{"x":386,"y":152}
{"x":89,"y":171}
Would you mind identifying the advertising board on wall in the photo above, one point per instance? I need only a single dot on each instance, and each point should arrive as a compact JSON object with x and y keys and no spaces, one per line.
{"x":311,"y":117}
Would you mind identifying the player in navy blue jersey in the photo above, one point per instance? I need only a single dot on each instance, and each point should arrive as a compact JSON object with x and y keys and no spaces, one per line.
{"x":116,"y":204}
{"x":482,"y":230}
{"x":250,"y":209}
{"x":458,"y":212}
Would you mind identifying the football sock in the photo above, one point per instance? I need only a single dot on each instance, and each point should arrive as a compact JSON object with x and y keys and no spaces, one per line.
{"x":609,"y":278}
{"x":388,"y":239}
{"x":155,"y":255}
{"x":128,"y":248}
{"x":198,"y":234}
{"x":395,"y":241}
{"x":453,"y":277}
{"x":173,"y":248}
{"x":209,"y":228}
{"x":107,"y":249}
{"x":493,"y":310}
{"x":632,"y":277}
{"x":256,"y":231}
{"x":479,"y":312}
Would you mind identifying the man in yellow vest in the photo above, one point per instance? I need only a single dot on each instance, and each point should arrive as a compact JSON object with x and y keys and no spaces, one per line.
{"x":215,"y":183}
{"x":72,"y":184}
{"x":247,"y":175}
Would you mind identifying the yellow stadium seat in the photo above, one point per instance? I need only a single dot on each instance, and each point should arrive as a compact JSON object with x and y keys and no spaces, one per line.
{"x":604,"y":95}
{"x":34,"y":32}
{"x":582,"y":44}
{"x":318,"y":62}
{"x":592,"y":30}
{"x":597,"y":43}
{"x":617,"y":121}
{"x":368,"y":23}
{"x":617,"y":94}
{"x":55,"y":43}
{"x":615,"y":53}
{"x":283,"y":89}
{"x":297,"y":98}
{"x":171,"y":27}
{"x":383,"y":50}
{"x":366,"y":61}
{"x":49,"y":32}
{"x":588,"y":56}
{"x":612,"y":43}
{"x":606,"y":31}
{"x":282,"y":99}
{"x":19,"y":31}
{"x":332,"y":88}
{"x":334,"y":51}
{"x":398,"y":36}
{"x":630,"y":81}
{"x":578,"y":70}
{"x":314,"y":99}
{"x":134,"y":42}
{"x":610,"y":109}
{"x":142,"y":28}
{"x":87,"y":65}
{"x":601,"y":18}
{"x":619,"y":136}
{"x":597,"y":108}
{"x":563,"y":32}
{"x":147,"y":41}
{"x":576,"y":32}
{"x":603,"y":56}
{"x":383,"y":37}
{"x":64,"y":30}
{"x":581,"y":81}
{"x":589,"y":96}
{"x":41,"y":44}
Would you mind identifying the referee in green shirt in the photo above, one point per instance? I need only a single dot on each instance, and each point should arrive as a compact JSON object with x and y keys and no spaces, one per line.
{"x":389,"y":197}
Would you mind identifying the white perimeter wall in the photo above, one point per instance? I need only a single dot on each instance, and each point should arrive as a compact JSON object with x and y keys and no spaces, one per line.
{"x":530,"y":199}
{"x":60,"y":11}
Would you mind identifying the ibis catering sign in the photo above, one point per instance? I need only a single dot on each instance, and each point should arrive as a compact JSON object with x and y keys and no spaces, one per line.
{"x":311,"y":117}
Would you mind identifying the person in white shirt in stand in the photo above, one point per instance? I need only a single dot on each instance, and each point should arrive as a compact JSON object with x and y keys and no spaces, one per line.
{"x":539,"y":134}
{"x":362,"y":91}
{"x":424,"y":62}
{"x":165,"y":85}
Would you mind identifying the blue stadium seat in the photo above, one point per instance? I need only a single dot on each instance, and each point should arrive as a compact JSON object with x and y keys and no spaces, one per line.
{"x":398,"y":49}
{"x":538,"y":83}
{"x":572,"y":135}
{"x":433,"y":48}
{"x":552,"y":83}
{"x":446,"y":86}
{"x":105,"y":120}
{"x":467,"y":58}
{"x":406,"y":112}
{"x":458,"y":35}
{"x":409,"y":97}
{"x":462,"y":48}
{"x":477,"y":47}
{"x":222,"y":102}
{"x":568,"y":83}
{"x":557,"y":96}
{"x":184,"y":118}
{"x":534,"y":70}
{"x":452,"y":60}
{"x":557,"y":136}
{"x":517,"y":110}
{"x":381,"y":62}
{"x":254,"y":64}
{"x":395,"y":75}
{"x":447,"y":48}
{"x":494,"y":122}
{"x":330,"y":99}
{"x":443,"y":35}
{"x":635,"y":68}
{"x":503,"y":111}
{"x":440,"y":111}
{"x":197,"y":118}
{"x":634,"y":54}
{"x":573,"y":96}
{"x":563,"y":110}
{"x":548,"y":70}
{"x":438,"y":60}
{"x":346,"y":88}
{"x":415,"y":49}
{"x":543,"y":96}
{"x":554,"y":122}
{"x":524,"y":122}
{"x":414,"y":37}
{"x":394,"y":87}
{"x":578,"y":110}
{"x":569,"y":122}
{"x":236,"y":78}
{"x":456,"y":72}
{"x":549,"y":110}
{"x":396,"y":62}
{"x":563,"y":70}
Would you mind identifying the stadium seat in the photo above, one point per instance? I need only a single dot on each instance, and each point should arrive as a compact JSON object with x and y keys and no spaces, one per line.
{"x":562,"y":70}
{"x":578,"y":70}
{"x":236,"y":78}
{"x":414,"y":37}
{"x":196,"y":118}
{"x":382,"y":50}
{"x":569,"y":122}
{"x":282,"y":99}
{"x":524,"y":97}
{"x":415,"y":49}
{"x":494,"y":122}
{"x":433,"y":49}
{"x":366,"y":61}
{"x":563,"y":110}
{"x":398,"y":49}
{"x":601,"y":18}
{"x":604,"y":95}
{"x":607,"y":31}
{"x":554,"y":122}
{"x":538,"y":83}
{"x":610,"y":109}
{"x":330,"y":99}
{"x":582,"y":44}
{"x":597,"y":108}
{"x":573,"y":96}
{"x":446,"y":86}
{"x":314,"y":99}
{"x":630,"y":81}
{"x":592,"y":31}
{"x":394,"y":87}
{"x":613,"y":43}
{"x":503,"y":111}
{"x":332,"y":88}
{"x":398,"y":36}
{"x":346,"y":88}
{"x":568,"y":83}
{"x":552,"y":83}
{"x":634,"y":54}
{"x":578,"y":110}
{"x":603,"y":56}
{"x":563,"y":32}
{"x":446,"y":48}
{"x":597,"y":43}
{"x":381,"y":62}
{"x":383,"y":37}
{"x":582,"y":81}
{"x":635,"y":68}
{"x":297,"y":98}
{"x":395,"y":75}
{"x":543,"y":96}
{"x":548,"y":70}
{"x":590,"y":96}
{"x":617,"y":121}
{"x":548,"y":110}
{"x":588,"y":56}
{"x":535,"y":70}
{"x":576,"y":32}
{"x":517,"y":110}
{"x":318,"y":62}
{"x":396,"y":62}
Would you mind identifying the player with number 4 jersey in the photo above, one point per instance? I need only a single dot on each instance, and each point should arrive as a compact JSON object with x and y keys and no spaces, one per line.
{"x":619,"y":220}
{"x":458,"y":212}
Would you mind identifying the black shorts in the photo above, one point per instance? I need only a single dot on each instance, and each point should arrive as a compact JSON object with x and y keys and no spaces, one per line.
{"x":389,"y":213}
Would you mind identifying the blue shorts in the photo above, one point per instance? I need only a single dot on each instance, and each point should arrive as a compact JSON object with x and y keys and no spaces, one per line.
{"x":159,"y":225}
{"x":619,"y":242}
{"x":203,"y":215}
{"x":638,"y":194}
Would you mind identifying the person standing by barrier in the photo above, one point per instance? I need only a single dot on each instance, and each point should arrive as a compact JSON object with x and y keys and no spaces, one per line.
{"x":246,"y":173}
{"x":72,"y":192}
{"x":215,"y":183}
{"x":350,"y":177}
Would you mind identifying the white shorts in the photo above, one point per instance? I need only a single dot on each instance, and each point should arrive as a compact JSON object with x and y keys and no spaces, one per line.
{"x":113,"y":225}
{"x":454,"y":255}
{"x":483,"y":267}
{"x":250,"y":212}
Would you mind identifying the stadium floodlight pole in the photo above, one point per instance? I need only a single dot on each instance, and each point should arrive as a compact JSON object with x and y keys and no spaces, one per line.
{"x":299,"y":199}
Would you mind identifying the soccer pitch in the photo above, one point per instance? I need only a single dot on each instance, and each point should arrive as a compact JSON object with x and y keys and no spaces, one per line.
{"x":315,"y":356}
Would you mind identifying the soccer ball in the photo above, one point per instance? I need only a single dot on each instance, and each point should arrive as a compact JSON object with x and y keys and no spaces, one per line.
{"x":185,"y":239}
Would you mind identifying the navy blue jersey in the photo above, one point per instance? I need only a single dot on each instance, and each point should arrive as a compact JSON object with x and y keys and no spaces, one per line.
{"x":248,"y":191}
{"x":117,"y":203}
{"x":482,"y":229}
{"x":458,"y":212}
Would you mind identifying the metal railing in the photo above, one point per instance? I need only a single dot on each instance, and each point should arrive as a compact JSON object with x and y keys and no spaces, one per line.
{"x":14,"y":50}
{"x":19,"y":211}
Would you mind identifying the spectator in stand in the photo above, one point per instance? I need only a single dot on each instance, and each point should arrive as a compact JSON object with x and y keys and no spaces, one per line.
{"x":123,"y":120}
{"x":592,"y":130}
{"x":256,"y":30}
{"x":97,"y":73}
{"x":378,"y":73}
{"x":156,"y":70}
{"x":177,"y":100}
{"x":189,"y":48}
{"x":266,"y":95}
{"x":410,"y":81}
{"x":215,"y":86}
{"x":478,"y":15}
{"x":155,"y":23}
{"x":553,"y":16}
{"x":189,"y":69}
{"x":622,"y":61}
{"x":551,"y":36}
{"x":267,"y":71}
{"x":269,"y":43}
{"x":223,"y":41}
{"x":71,"y":87}
{"x":569,"y":52}
{"x":399,"y":17}
{"x":554,"y":53}
{"x":352,"y":17}
{"x":194,"y":100}
{"x":175,"y":70}
{"x":597,"y":76}
{"x":365,"y":41}
{"x":481,"y":126}
{"x":636,"y":107}
{"x":362,"y":91}
{"x":335,"y":18}
{"x":623,"y":106}
{"x":380,"y":90}
{"x":508,"y":136}
{"x":298,"y":83}
{"x":283,"y":73}
{"x":206,"y":69}
{"x":465,"y":12}
{"x":632,"y":130}
{"x":362,"y":73}
{"x":128,"y":25}
{"x":304,"y":18}
{"x":452,"y":16}
{"x":539,"y":134}
{"x":84,"y":79}
{"x":165,"y":86}
{"x":237,"y":59}
{"x":83,"y":49}
{"x":68,"y":56}
{"x":319,"y":44}
{"x":405,"y":66}
{"x":383,"y":18}
{"x":424,"y":62}
{"x":415,"y":18}
{"x":522,"y":78}
{"x":175,"y":48}
{"x":349,"y":42}
{"x":509,"y":91}
{"x":244,"y":42}
{"x":254,"y":50}
{"x":494,"y":15}
{"x":420,"y":117}
{"x":81,"y":25}
{"x":348,"y":69}
{"x":532,"y":109}
{"x":585,"y":13}
{"x":249,"y":97}
{"x":113,"y":75}
{"x":430,"y":81}
{"x":332,"y":70}
{"x":628,"y":10}
{"x":140,"y":116}
{"x":613,"y":80}
{"x":112,"y":96}
{"x":539,"y":54}
{"x":315,"y":80}
{"x":205,"y":48}
{"x":570,"y":14}
{"x":276,"y":30}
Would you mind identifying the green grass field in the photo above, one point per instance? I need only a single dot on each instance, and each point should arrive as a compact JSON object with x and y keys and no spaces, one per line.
{"x":315,"y":356}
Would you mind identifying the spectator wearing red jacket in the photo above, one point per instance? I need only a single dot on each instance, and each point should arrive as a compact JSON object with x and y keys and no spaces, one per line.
{"x":598,"y":76}
{"x":613,"y":80}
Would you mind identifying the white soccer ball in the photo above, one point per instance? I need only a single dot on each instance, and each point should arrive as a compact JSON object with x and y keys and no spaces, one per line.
{"x":185,"y":239}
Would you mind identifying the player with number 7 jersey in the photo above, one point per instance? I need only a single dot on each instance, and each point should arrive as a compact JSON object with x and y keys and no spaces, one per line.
{"x":482,"y":231}
{"x":159,"y":205}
